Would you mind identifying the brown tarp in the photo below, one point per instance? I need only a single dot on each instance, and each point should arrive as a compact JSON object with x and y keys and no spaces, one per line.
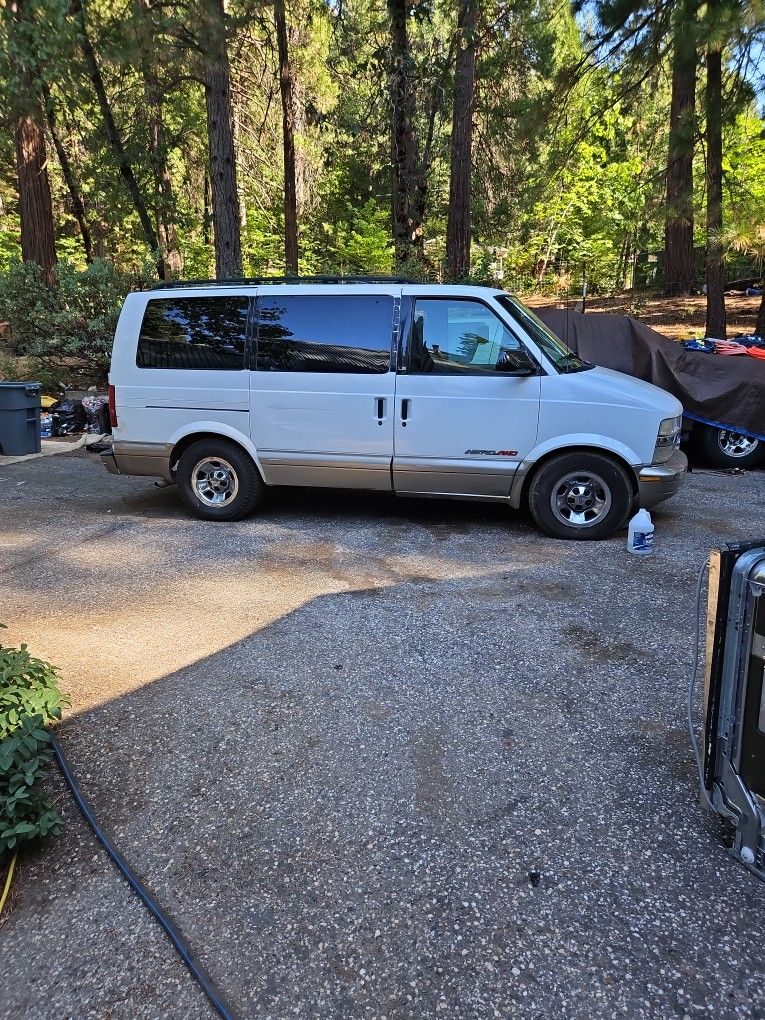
{"x":725,"y":390}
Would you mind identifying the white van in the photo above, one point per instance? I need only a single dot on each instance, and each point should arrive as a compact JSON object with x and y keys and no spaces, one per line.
{"x":418,"y":389}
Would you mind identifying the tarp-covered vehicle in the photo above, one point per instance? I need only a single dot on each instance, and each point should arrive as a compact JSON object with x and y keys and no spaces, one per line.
{"x":723,"y":397}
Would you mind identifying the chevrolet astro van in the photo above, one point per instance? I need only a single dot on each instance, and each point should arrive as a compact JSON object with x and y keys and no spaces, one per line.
{"x":416,"y":389}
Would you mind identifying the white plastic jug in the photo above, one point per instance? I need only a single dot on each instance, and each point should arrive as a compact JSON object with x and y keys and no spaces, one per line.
{"x":640,"y":534}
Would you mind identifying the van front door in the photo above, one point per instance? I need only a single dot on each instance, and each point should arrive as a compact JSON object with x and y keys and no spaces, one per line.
{"x":465,"y":418}
{"x":322,"y":388}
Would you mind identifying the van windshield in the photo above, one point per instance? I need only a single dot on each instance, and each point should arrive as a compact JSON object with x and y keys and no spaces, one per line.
{"x":563,"y":359}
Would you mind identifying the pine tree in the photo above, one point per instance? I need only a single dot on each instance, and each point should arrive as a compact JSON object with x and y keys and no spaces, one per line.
{"x":35,"y":202}
{"x":289,"y":118}
{"x":77,"y":11}
{"x":407,"y":185}
{"x":220,"y":139}
{"x":458,"y":229}
{"x":679,"y":263}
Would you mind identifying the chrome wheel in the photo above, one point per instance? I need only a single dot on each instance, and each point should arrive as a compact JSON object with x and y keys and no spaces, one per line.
{"x":580,"y":499}
{"x":214,"y":481}
{"x":733,"y":444}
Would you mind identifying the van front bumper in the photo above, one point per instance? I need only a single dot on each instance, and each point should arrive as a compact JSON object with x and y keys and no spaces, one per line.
{"x":660,"y":481}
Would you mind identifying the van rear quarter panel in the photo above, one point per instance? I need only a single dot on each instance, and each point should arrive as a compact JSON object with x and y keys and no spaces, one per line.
{"x":160,"y":405}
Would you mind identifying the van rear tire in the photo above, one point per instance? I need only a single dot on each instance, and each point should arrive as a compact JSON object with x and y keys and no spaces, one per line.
{"x":581,"y":496}
{"x":218,"y":481}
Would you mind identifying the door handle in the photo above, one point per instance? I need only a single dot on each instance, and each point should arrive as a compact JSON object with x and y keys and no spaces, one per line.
{"x":380,"y":405}
{"x":405,"y":411}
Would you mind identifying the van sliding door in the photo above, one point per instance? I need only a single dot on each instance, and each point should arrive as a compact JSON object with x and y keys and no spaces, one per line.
{"x":322,"y":388}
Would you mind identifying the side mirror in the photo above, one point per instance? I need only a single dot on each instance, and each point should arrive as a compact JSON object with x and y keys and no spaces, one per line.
{"x":515,"y":361}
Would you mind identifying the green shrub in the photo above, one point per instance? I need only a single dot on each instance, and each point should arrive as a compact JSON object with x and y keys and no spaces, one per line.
{"x":51,"y":377}
{"x":71,"y":323}
{"x":8,"y":368}
{"x":30,"y":699}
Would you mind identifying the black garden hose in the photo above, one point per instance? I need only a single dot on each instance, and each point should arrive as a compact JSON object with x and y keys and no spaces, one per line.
{"x":138,"y":887}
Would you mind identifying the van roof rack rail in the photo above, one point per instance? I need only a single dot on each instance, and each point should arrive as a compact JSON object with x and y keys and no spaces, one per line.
{"x":253,"y":280}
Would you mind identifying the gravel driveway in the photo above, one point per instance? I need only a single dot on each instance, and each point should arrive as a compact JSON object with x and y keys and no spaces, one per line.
{"x":380,"y":759}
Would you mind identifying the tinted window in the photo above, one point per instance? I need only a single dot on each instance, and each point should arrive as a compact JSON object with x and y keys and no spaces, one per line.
{"x":325,"y":333}
{"x":454,"y":337}
{"x":198,"y":332}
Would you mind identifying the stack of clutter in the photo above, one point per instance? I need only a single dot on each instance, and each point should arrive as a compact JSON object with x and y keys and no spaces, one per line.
{"x":46,"y":416}
{"x":68,"y":417}
{"x":73,"y":416}
{"x":753,"y":346}
{"x":96,"y":414}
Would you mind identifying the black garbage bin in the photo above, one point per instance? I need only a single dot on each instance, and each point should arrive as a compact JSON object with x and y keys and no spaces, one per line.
{"x":19,"y":418}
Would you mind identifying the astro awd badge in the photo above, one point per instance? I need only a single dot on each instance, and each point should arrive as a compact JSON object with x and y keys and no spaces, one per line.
{"x":491,"y":453}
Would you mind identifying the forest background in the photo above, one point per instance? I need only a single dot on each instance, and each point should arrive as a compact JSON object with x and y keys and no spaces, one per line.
{"x":535,"y":144}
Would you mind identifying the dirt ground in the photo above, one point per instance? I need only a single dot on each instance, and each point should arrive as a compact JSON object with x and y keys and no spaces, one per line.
{"x":677,"y":318}
{"x":378,"y":758}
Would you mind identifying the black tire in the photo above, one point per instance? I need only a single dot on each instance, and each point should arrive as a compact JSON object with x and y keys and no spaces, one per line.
{"x":223,"y":469}
{"x":718,"y":447}
{"x":571,"y":481}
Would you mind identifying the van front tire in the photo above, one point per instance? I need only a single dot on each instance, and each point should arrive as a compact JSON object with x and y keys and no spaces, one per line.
{"x":218,"y":481}
{"x":582,"y":496}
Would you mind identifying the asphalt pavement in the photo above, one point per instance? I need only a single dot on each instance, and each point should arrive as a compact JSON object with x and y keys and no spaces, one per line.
{"x":378,"y":758}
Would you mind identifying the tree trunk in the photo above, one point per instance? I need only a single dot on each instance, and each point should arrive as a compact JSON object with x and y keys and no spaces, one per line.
{"x":760,"y":324}
{"x":164,"y":202}
{"x":621,"y":272}
{"x":715,"y":326}
{"x":302,"y":196}
{"x":679,"y":265}
{"x":237,"y":112}
{"x":113,"y":136}
{"x":289,"y":117}
{"x":206,"y":215}
{"x":220,"y":141}
{"x":78,"y":206}
{"x":458,"y":228}
{"x":407,"y":186}
{"x":35,"y":203}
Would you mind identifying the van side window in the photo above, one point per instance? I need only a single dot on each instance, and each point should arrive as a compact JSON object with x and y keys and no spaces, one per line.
{"x":456,"y":337}
{"x":194,"y":332}
{"x":347,"y":333}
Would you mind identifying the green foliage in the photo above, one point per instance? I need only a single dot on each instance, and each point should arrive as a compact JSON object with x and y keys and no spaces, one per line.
{"x":30,"y":700}
{"x":71,"y":323}
{"x":48,"y":374}
{"x":360,"y":243}
{"x":9,"y":247}
{"x":8,"y":370}
{"x":744,"y":181}
{"x":569,"y":153}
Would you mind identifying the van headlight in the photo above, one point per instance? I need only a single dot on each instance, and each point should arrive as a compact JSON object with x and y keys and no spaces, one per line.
{"x":668,"y":439}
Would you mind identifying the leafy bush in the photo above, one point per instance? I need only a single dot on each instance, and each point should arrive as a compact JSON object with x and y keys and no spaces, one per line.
{"x":30,"y":699}
{"x":72,"y":322}
{"x":51,"y":377}
{"x":360,"y":243}
{"x":7,"y":368}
